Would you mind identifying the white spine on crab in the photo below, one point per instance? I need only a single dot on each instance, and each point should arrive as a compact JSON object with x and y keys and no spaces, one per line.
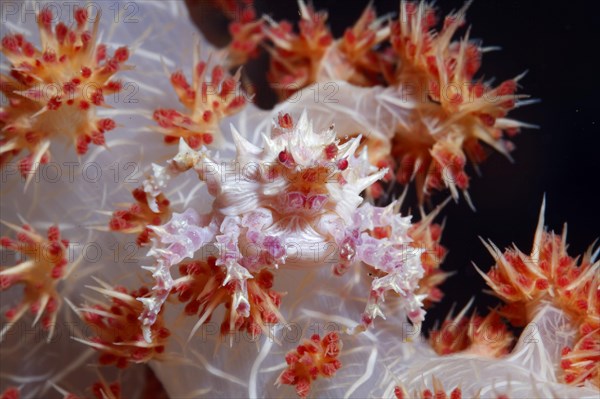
{"x":229,"y":254}
{"x":175,"y":241}
{"x":393,"y":256}
{"x":154,"y":184}
{"x":157,"y":181}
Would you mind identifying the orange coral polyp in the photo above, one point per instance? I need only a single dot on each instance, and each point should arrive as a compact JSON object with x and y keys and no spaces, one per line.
{"x":296,"y":57}
{"x":202,"y":287}
{"x":246,"y":35}
{"x":485,"y":336}
{"x":119,"y":334}
{"x":313,"y":55}
{"x":427,"y":235}
{"x":137,"y":217}
{"x":207,"y":100}
{"x":54,"y":92}
{"x":312,"y":359}
{"x":40,"y":274}
{"x":549,"y":274}
{"x":455,"y":112}
{"x":439,"y":392}
{"x":11,"y":393}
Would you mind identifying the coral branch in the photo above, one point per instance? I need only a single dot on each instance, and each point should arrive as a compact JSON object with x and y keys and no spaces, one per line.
{"x":453,"y":112}
{"x":246,"y":33}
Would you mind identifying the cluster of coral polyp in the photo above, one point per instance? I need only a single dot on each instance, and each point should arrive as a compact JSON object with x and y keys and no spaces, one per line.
{"x":202,"y":286}
{"x":100,"y":389}
{"x":246,"y":31}
{"x":53,"y":93}
{"x":317,"y":357}
{"x":117,"y":328}
{"x":207,"y":102}
{"x":45,"y":265}
{"x":484,"y":336}
{"x":450,"y":111}
{"x":138,"y":216}
{"x":282,"y":204}
{"x":438,"y":392}
{"x":550,"y":275}
{"x":313,"y":55}
{"x":426,"y":235}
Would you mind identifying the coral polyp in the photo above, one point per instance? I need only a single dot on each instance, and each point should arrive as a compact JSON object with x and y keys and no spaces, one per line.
{"x":118,"y":329}
{"x":45,"y":265}
{"x":426,"y":235}
{"x":137,"y":217}
{"x":53,"y":92}
{"x":11,"y":393}
{"x":211,"y":96}
{"x":438,"y":391}
{"x":353,"y":57}
{"x":296,"y":57}
{"x":447,"y":114}
{"x":484,"y":336}
{"x":202,"y":285}
{"x":246,"y":32}
{"x":454,"y":112}
{"x":314,"y":55}
{"x":100,"y":389}
{"x":314,"y":358}
{"x":549,"y":275}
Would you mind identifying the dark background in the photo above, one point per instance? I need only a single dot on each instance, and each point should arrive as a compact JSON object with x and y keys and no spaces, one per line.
{"x":557,"y":43}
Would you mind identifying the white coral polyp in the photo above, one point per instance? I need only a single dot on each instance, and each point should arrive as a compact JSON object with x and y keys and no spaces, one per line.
{"x":286,"y":205}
